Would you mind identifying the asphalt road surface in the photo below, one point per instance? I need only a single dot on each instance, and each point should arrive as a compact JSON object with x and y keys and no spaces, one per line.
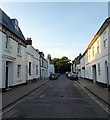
{"x":61,"y":98}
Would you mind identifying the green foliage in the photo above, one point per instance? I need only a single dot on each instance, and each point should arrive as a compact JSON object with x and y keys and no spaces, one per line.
{"x":61,"y":64}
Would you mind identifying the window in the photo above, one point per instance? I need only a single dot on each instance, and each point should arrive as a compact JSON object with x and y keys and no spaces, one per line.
{"x":7,"y":45}
{"x":105,"y":43}
{"x":93,"y":51}
{"x":19,"y":48}
{"x":105,"y":39}
{"x":36,"y":69}
{"x":89,"y":54}
{"x":29,"y":68}
{"x":98,"y":68}
{"x":33,"y":68}
{"x":97,"y":46}
{"x":18,"y":70}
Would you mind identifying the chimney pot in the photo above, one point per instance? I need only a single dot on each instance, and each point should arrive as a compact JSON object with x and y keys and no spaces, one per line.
{"x":29,"y":41}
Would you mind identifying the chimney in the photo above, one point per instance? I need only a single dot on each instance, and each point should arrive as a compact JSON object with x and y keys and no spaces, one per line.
{"x":29,"y":41}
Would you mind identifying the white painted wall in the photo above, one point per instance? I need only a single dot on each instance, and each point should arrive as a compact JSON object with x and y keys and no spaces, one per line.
{"x":78,"y":70}
{"x":98,"y":58}
{"x":15,"y":59}
{"x":33,"y":57}
{"x":0,"y":60}
{"x":43,"y":68}
{"x":44,"y":72}
{"x":82,"y":64}
{"x":109,"y":51}
{"x":51,"y":68}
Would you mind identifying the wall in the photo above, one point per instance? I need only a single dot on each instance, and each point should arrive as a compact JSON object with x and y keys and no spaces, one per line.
{"x":14,"y":59}
{"x":98,"y":58}
{"x":33,"y":57}
{"x":0,"y":60}
{"x":43,"y":68}
{"x":109,"y":51}
{"x":51,"y":68}
{"x":82,"y":65}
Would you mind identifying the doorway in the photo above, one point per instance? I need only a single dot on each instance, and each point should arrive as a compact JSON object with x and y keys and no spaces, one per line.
{"x":106,"y":73}
{"x":94,"y":73}
{"x":9,"y":74}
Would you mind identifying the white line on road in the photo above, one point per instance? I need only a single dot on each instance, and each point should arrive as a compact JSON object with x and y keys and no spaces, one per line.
{"x":97,"y":101}
{"x":19,"y":101}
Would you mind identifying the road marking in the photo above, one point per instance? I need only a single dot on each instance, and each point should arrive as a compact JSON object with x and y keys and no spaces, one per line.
{"x":97,"y":101}
{"x":19,"y":101}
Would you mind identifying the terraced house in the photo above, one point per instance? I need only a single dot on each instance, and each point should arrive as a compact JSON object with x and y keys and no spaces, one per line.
{"x":13,"y":52}
{"x":33,"y":62}
{"x":95,"y":61}
{"x":20,"y":62}
{"x":43,"y":66}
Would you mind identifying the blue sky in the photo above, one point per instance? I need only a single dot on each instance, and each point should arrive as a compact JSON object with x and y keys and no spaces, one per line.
{"x":59,"y":29}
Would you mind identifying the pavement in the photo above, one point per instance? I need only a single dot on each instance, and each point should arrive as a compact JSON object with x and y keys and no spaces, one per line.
{"x":20,"y":91}
{"x":100,"y":92}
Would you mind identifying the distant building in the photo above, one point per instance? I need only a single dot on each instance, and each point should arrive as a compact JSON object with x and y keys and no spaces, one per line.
{"x":83,"y":61}
{"x":33,"y":62}
{"x":51,"y":68}
{"x":13,"y":53}
{"x":95,"y":61}
{"x":43,"y":66}
{"x":76,"y":65}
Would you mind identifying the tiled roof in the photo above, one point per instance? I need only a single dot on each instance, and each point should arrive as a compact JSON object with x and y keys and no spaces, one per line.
{"x":7,"y":22}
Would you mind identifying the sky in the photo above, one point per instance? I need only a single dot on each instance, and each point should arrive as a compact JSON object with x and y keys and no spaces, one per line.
{"x":58,"y":28}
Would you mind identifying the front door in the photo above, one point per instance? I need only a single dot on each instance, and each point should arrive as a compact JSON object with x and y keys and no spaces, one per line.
{"x":94,"y":73}
{"x":7,"y":77}
{"x":106,"y":73}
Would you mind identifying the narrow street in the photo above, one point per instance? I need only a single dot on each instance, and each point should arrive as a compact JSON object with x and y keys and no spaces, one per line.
{"x":61,"y":98}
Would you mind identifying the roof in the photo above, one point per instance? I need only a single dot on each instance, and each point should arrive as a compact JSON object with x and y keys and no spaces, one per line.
{"x":100,"y":31}
{"x":102,"y":28}
{"x":6,"y":21}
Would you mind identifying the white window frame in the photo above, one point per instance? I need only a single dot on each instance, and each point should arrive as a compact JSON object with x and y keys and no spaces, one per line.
{"x":89,"y":54}
{"x":98,"y":68}
{"x":18,"y":71}
{"x":98,"y":47}
{"x":93,"y":51}
{"x":105,"y":39}
{"x":7,"y":43}
{"x":105,"y":43}
{"x":19,"y":48}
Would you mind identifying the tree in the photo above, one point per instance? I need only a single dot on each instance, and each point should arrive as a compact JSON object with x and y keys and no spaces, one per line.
{"x":61,"y":65}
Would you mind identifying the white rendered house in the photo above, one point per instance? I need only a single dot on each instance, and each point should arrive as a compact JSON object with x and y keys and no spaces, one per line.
{"x":96,"y":60}
{"x":43,"y":66}
{"x":33,"y":62}
{"x":13,"y":52}
{"x":51,"y":68}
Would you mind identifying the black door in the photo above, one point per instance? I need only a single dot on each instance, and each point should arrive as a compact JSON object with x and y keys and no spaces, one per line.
{"x":6,"y":85}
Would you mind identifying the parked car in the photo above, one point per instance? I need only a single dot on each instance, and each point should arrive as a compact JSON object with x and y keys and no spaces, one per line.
{"x":73,"y":76}
{"x":69,"y":74}
{"x":52,"y":76}
{"x":66,"y":73}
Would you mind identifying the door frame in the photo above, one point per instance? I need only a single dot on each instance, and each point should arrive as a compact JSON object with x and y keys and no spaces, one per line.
{"x":94,"y":73}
